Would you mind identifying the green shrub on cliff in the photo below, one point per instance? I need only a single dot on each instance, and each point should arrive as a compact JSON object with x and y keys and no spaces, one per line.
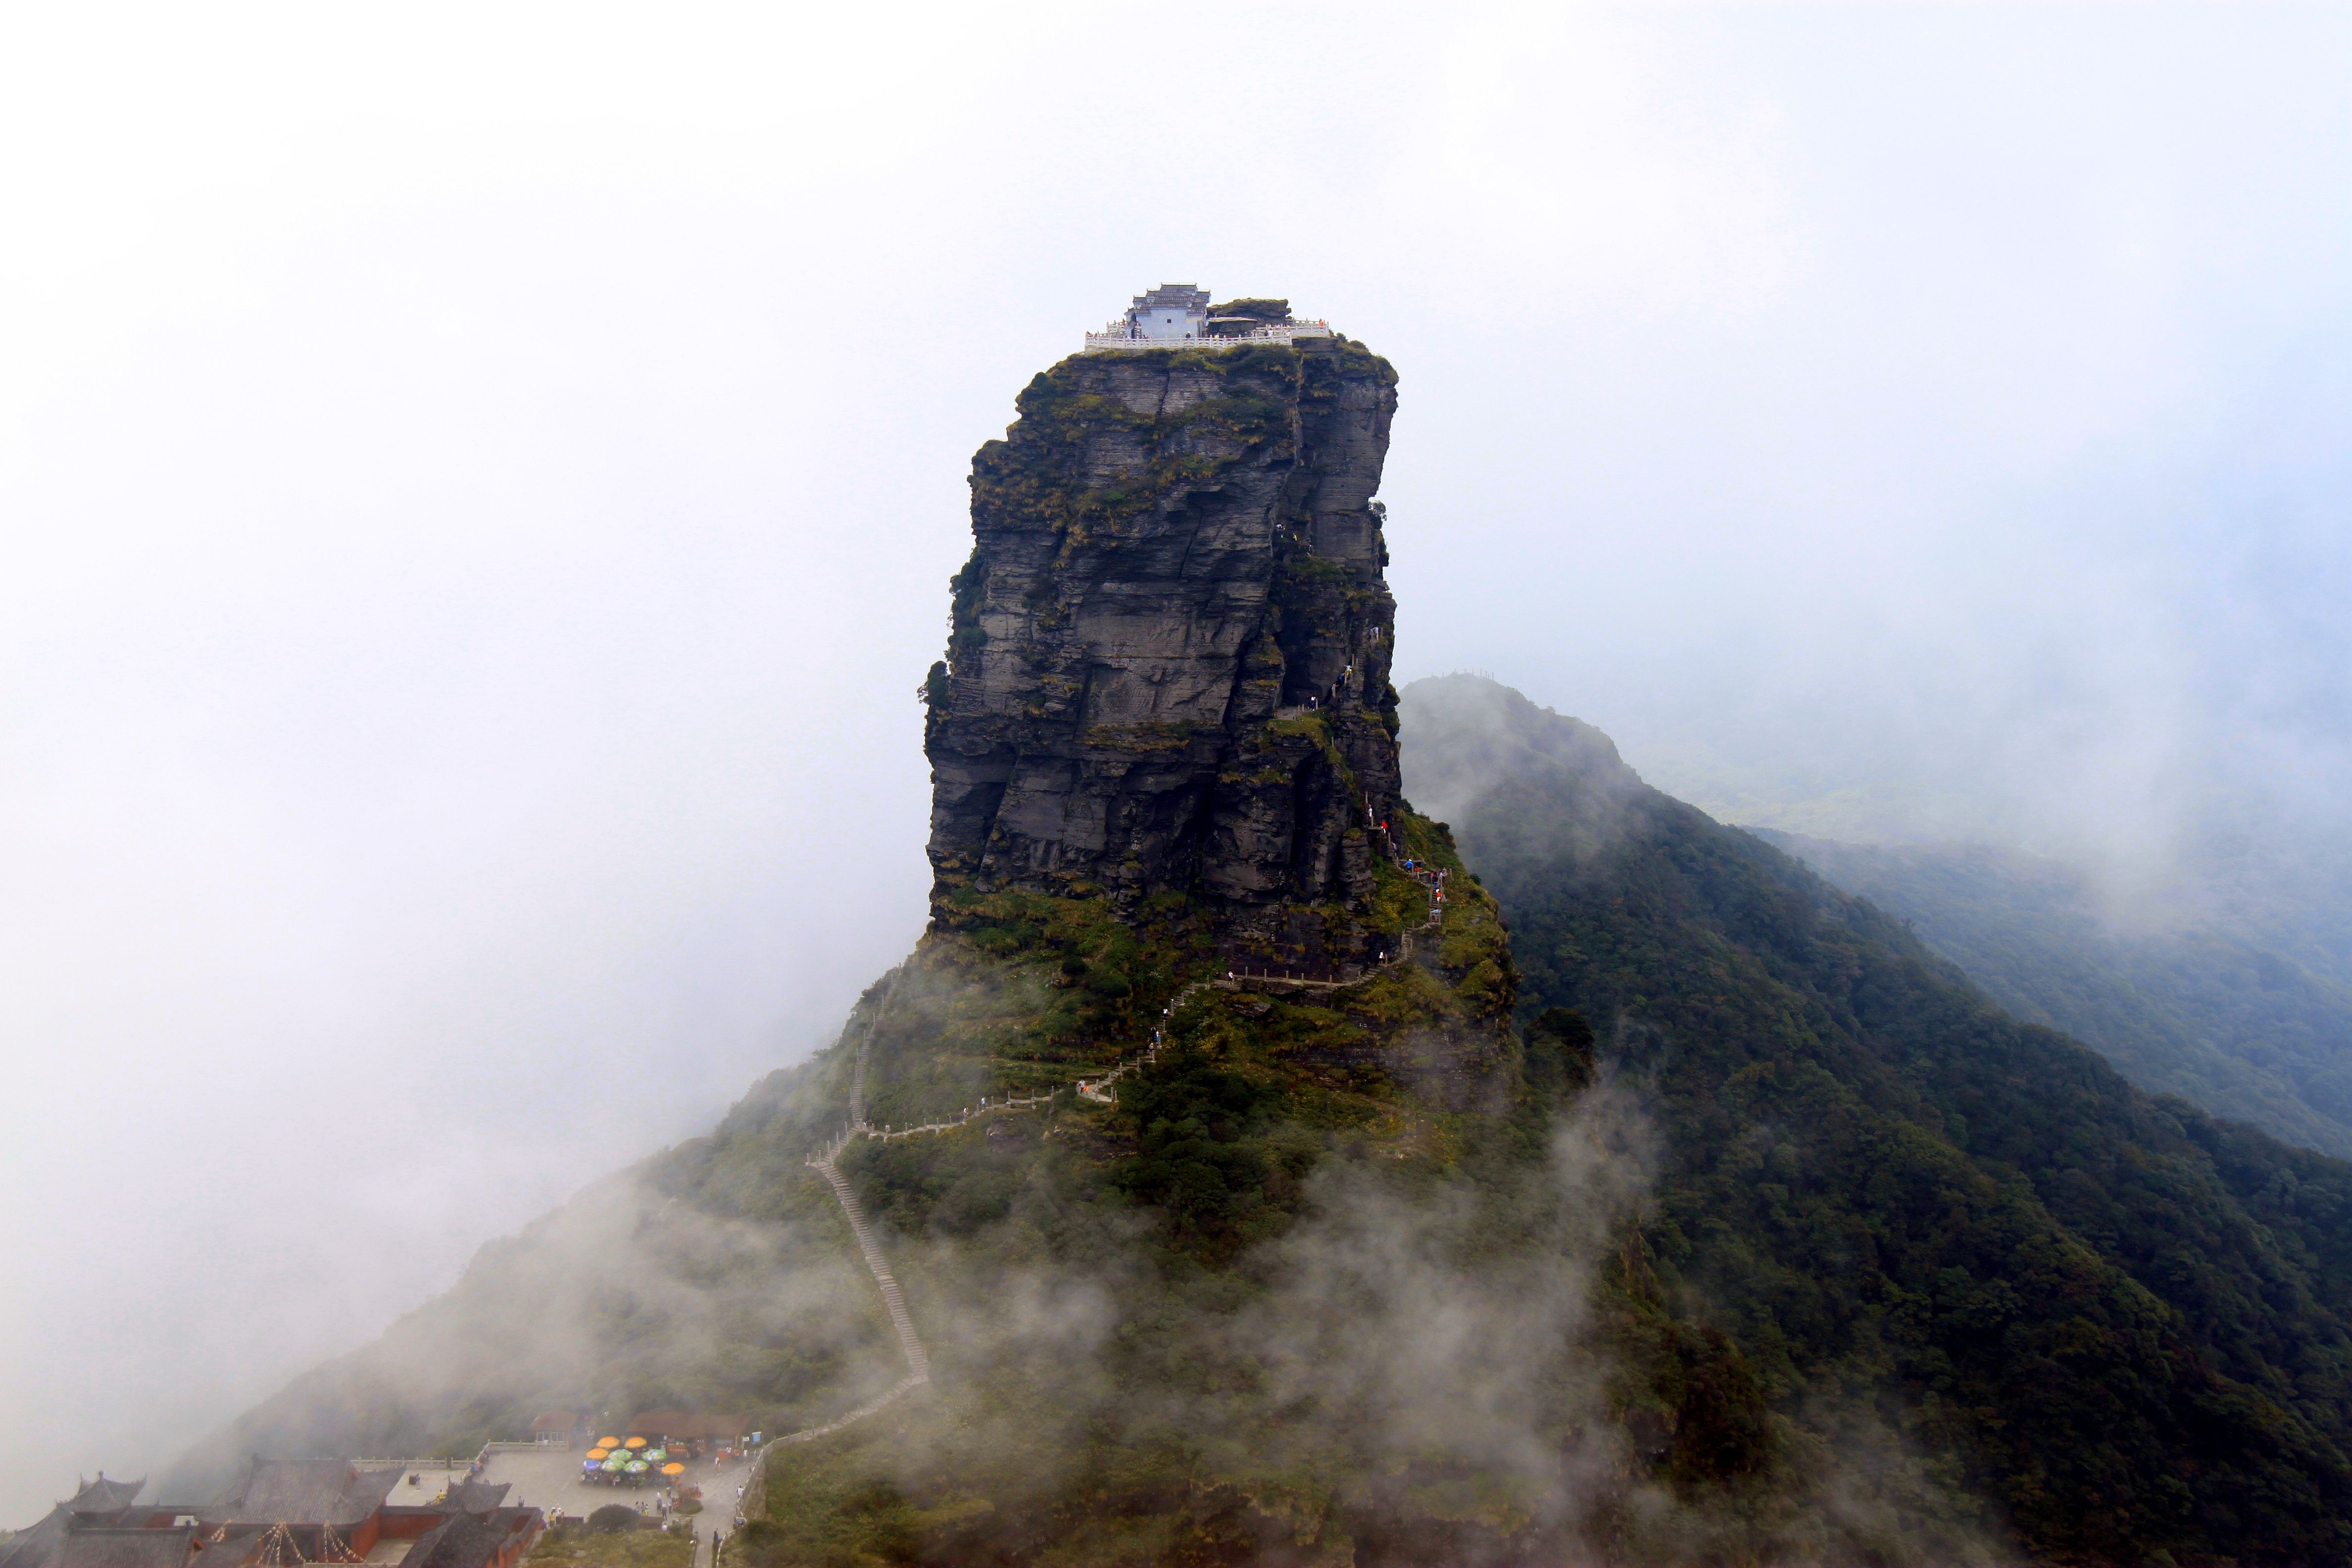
{"x":1195,"y":1159}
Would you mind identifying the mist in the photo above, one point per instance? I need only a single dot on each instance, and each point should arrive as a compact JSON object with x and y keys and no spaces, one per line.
{"x":1414,"y":1334}
{"x":478,"y":491}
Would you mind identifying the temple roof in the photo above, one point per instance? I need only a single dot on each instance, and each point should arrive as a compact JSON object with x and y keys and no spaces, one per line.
{"x":226,"y":1546}
{"x":305,"y":1491}
{"x":1173,"y":297}
{"x":126,"y":1546}
{"x":461,"y":1541}
{"x":102,"y":1496}
{"x":478,"y":1497}
{"x":97,"y":1503}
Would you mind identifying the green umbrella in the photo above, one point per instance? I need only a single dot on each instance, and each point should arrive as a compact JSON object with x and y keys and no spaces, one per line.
{"x":638,"y":1467}
{"x":655,"y":1456}
{"x":616,"y":1463}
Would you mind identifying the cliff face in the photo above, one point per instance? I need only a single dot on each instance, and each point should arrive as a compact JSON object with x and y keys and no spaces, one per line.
{"x":1168,"y":666}
{"x":1071,"y":1137}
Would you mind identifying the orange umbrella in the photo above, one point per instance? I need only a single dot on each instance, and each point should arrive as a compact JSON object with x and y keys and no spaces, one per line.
{"x":673,"y":1468}
{"x":600,"y":1453}
{"x":634,"y":1443}
{"x":608,"y":1442}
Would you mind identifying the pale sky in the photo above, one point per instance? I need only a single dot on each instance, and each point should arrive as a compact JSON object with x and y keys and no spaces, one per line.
{"x":478,"y":486}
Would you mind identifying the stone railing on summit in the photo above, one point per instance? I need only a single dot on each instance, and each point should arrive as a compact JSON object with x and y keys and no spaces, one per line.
{"x":1116,"y":336}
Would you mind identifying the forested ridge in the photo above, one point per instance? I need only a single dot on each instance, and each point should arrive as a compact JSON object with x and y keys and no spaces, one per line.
{"x":2119,"y":1319}
{"x":2185,"y":1002}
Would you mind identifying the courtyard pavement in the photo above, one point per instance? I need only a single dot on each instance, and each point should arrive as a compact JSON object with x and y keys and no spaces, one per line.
{"x":549,"y":1478}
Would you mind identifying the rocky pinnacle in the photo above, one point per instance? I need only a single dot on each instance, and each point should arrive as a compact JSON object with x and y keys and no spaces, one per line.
{"x":1168,"y":658}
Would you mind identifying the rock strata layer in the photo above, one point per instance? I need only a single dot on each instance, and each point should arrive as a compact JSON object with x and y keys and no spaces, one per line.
{"x":1169,"y":662}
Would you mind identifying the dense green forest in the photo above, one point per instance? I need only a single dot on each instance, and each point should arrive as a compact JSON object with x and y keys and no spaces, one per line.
{"x":2120,"y":1318}
{"x":2183,"y":1010}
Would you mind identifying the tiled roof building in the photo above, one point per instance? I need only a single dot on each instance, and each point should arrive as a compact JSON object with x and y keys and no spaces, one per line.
{"x":94,"y":1505}
{"x":127,"y":1546}
{"x":315,"y":1510}
{"x":303,"y":1491}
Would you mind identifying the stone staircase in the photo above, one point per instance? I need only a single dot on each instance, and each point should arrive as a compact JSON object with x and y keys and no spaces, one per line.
{"x":918,"y":1364}
{"x":752,"y":1501}
{"x":910,"y":1345}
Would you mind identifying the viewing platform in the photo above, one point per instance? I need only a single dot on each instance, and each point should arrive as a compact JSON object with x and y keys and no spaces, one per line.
{"x":1119,"y":336}
{"x":1178,"y":316}
{"x":1123,"y":337}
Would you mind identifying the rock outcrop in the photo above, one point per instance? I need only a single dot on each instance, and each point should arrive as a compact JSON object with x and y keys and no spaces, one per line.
{"x":1169,"y":664}
{"x":1197,"y":978}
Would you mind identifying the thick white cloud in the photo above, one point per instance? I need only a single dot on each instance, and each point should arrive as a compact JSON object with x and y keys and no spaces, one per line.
{"x":477,"y":487}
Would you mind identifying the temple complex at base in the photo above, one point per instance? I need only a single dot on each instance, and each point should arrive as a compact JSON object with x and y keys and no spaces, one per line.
{"x":282,"y":1513}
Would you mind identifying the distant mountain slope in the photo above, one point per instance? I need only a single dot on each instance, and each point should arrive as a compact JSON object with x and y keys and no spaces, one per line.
{"x":2240,"y":1030}
{"x":2120,"y":1318}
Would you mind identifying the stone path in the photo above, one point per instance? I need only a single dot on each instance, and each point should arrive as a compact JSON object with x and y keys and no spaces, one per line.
{"x":919,"y":1363}
{"x":1433,"y":881}
{"x":752,"y":1498}
{"x":750,"y":1502}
